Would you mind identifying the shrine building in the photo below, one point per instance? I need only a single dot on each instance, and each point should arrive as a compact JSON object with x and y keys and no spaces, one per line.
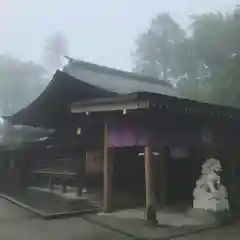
{"x":126,"y":139}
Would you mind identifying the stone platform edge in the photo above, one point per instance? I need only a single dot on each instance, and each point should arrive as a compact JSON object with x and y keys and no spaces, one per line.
{"x":49,"y":216}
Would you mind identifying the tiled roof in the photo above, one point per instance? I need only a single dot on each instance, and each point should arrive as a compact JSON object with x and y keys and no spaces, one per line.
{"x":117,"y":81}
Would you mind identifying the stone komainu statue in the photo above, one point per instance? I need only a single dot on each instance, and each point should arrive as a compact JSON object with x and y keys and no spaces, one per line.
{"x":209,"y":193}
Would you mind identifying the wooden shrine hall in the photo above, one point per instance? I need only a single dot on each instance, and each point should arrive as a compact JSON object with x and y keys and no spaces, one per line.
{"x":138,"y":136}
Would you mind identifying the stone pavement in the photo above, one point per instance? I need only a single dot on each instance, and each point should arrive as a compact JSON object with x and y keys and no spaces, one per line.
{"x":137,"y":228}
{"x":172,"y":222}
{"x":140,"y":231}
{"x":166,"y":217}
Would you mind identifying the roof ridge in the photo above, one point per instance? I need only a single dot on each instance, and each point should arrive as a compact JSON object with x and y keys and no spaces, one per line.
{"x":109,"y":70}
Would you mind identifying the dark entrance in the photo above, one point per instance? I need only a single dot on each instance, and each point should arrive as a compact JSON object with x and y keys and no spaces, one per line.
{"x":128,"y":177}
{"x":183,"y":173}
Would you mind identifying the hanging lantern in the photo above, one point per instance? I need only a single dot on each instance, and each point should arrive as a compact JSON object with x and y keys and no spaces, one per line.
{"x":78,"y":132}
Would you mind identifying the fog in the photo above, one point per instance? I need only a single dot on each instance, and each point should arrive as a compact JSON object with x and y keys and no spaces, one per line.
{"x":36,"y":35}
{"x":102,"y":32}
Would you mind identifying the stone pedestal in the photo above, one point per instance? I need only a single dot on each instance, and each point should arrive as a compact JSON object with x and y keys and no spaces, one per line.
{"x":211,"y":204}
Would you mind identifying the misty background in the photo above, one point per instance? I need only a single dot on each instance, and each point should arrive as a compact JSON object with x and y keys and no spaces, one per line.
{"x":198,"y":55}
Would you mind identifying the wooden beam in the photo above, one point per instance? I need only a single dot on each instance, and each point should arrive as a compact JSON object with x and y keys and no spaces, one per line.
{"x":105,"y":107}
{"x":64,"y":186}
{"x":150,"y":196}
{"x":107,"y":168}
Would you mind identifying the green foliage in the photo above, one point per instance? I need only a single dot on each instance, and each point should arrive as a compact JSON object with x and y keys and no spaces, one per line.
{"x":205,"y":62}
{"x":20,"y":83}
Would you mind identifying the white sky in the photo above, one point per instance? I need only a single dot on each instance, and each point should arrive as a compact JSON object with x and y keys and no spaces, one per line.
{"x":99,"y":31}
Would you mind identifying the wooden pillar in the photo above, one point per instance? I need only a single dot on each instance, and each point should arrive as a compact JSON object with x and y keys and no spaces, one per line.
{"x":236,"y":181}
{"x":64,"y":186}
{"x":107,"y":169}
{"x":149,"y":181}
{"x":50,"y":184}
{"x":81,"y":176}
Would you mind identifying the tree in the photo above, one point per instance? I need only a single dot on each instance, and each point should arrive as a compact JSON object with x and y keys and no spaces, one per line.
{"x":55,"y":49}
{"x":193,"y":82}
{"x":216,"y":39}
{"x":15,"y":135}
{"x":154,"y":55}
{"x":20,"y":83}
{"x":205,"y":62}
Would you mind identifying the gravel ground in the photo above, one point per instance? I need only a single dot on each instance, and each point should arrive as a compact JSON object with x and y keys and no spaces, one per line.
{"x":17,"y":223}
{"x":226,"y":233}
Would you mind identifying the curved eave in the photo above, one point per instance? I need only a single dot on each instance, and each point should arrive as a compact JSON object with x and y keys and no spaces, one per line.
{"x":52,"y":107}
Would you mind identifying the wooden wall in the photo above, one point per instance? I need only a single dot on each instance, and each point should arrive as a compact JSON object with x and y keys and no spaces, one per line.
{"x":94,"y":162}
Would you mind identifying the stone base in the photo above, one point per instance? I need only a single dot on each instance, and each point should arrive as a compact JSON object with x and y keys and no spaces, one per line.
{"x":211,"y":205}
{"x":210,"y":217}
